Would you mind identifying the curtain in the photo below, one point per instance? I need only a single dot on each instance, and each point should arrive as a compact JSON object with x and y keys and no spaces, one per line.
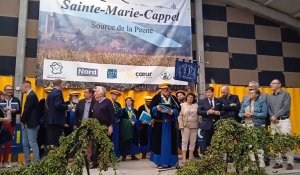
{"x":138,"y":96}
{"x":295,"y":101}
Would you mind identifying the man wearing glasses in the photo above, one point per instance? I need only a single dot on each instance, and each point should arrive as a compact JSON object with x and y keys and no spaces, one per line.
{"x":12,"y":107}
{"x":279,"y":107}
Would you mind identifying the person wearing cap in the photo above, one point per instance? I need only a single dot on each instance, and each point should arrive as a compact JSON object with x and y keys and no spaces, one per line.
{"x":118,"y":113}
{"x":129,"y":142}
{"x":144,"y":128}
{"x":42,"y":136}
{"x":70,"y":120}
{"x":165,"y":108}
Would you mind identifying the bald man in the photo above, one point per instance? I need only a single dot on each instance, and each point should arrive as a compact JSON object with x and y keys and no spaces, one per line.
{"x":231,"y":104}
{"x":279,"y":108}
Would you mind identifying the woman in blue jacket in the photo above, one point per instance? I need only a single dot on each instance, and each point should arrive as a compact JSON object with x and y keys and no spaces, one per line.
{"x":254,"y":113}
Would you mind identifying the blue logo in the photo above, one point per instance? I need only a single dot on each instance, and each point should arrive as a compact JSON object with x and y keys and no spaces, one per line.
{"x":112,"y":74}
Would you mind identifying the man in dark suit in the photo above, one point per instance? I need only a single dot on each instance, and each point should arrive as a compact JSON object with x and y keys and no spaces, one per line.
{"x":210,"y":108}
{"x":42,"y":134}
{"x":56,"y":113}
{"x":30,"y":123}
{"x":231,"y":104}
{"x":84,"y":108}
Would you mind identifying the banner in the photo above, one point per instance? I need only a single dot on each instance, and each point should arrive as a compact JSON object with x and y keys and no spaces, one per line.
{"x":129,"y":36}
{"x":186,"y":71}
{"x":107,"y":73}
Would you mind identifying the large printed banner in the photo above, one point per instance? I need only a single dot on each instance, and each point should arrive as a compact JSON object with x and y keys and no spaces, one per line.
{"x":118,"y":43}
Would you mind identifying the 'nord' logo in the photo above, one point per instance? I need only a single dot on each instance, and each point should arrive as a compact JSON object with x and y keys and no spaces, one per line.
{"x":87,"y":72}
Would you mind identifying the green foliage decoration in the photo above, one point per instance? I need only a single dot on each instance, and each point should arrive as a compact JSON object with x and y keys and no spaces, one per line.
{"x":231,"y":144}
{"x":75,"y":145}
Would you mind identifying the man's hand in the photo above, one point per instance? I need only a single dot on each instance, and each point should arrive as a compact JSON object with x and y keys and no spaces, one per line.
{"x":75,"y":127}
{"x":66,"y":126}
{"x":144,"y":122}
{"x":274,"y":119}
{"x":159,"y":108}
{"x":217,"y":113}
{"x":110,"y":130}
{"x":170,"y":112}
{"x":13,"y":110}
{"x":211,"y":112}
{"x":6,"y":109}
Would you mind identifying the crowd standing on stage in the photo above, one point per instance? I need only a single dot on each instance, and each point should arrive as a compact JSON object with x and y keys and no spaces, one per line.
{"x":156,"y":129}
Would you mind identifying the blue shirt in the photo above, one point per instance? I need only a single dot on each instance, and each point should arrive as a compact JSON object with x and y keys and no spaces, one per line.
{"x":87,"y":106}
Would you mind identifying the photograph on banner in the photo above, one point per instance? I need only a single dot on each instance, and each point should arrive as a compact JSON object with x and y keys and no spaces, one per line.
{"x":116,"y":37}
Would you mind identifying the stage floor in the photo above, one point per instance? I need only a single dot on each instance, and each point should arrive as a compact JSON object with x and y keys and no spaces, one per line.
{"x":145,"y":167}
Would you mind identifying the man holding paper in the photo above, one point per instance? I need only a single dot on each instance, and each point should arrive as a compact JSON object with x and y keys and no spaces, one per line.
{"x":144,"y":115}
{"x":165,"y":108}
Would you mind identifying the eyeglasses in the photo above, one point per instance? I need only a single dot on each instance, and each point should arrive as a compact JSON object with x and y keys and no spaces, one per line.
{"x":9,"y":89}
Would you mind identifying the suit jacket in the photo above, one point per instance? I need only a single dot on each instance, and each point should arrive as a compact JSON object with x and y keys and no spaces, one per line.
{"x":30,"y":115}
{"x":231,"y":111}
{"x":43,"y":112}
{"x":57,"y":108}
{"x":80,"y":110}
{"x":209,"y":120}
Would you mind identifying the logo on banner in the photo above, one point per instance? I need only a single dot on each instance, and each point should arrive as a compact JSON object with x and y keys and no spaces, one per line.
{"x":112,"y":73}
{"x":56,"y":68}
{"x":131,"y":74}
{"x":143,"y":74}
{"x":166,"y":76}
{"x":87,"y":72}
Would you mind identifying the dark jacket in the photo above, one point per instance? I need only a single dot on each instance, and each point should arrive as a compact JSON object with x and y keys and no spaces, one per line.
{"x":57,"y":108}
{"x":30,"y":115}
{"x":104,"y":112}
{"x":231,"y":111}
{"x":43,"y":112}
{"x":80,"y":110}
{"x":209,"y":120}
{"x":260,"y":111}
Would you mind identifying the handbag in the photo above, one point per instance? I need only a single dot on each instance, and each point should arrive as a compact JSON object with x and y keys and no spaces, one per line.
{"x":5,"y":135}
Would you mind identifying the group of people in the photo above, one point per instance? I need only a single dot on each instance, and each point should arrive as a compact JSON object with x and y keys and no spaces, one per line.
{"x":174,"y":120}
{"x":257,"y":109}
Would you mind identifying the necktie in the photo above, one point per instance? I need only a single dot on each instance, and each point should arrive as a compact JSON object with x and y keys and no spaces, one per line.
{"x":211,"y":103}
